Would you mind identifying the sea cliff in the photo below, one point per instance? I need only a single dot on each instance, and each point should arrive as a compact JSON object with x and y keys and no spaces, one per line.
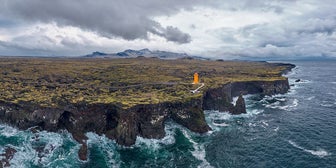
{"x":124,"y":123}
{"x":147,"y":121}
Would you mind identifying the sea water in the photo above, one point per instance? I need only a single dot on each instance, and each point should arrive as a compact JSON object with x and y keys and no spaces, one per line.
{"x":296,"y":129}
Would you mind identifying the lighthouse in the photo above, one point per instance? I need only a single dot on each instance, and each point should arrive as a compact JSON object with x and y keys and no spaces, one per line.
{"x":196,"y":80}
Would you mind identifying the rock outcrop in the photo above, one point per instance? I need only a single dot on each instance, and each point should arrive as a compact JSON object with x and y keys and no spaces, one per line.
{"x":240,"y":107}
{"x":7,"y":156}
{"x":220,"y":98}
{"x":146,"y":120}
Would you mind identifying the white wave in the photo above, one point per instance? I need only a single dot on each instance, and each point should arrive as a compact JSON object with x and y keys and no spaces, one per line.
{"x":320,"y":153}
{"x":276,"y":129}
{"x":8,"y":131}
{"x":327,"y":105}
{"x":107,"y":146}
{"x":295,"y":102}
{"x":216,"y":119}
{"x":292,"y":72}
{"x":234,"y":100}
{"x":50,"y":154}
{"x":220,"y":124}
{"x":25,"y":154}
{"x":251,"y":112}
{"x":292,"y":91}
{"x":246,"y":97}
{"x":264,"y":123}
{"x":153,"y":144}
{"x":252,"y":124}
{"x":199,"y":151}
{"x":158,"y":143}
{"x":280,"y":99}
{"x":333,"y":82}
{"x":65,"y":158}
{"x":278,"y":105}
{"x":53,"y":142}
{"x":273,"y":105}
{"x":212,"y":117}
{"x":311,"y":98}
{"x":217,"y":115}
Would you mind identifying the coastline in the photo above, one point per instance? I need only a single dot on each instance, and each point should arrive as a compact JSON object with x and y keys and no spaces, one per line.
{"x":144,"y":120}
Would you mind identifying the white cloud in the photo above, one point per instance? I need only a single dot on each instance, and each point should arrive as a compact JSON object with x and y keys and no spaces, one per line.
{"x":230,"y":29}
{"x":51,"y":39}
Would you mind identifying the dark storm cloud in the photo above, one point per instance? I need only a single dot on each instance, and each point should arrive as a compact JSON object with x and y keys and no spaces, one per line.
{"x":174,"y":34}
{"x":280,"y":28}
{"x":129,"y":19}
{"x":308,"y":29}
{"x":10,"y":49}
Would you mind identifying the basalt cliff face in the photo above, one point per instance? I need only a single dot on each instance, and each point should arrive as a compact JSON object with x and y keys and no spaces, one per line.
{"x":221,"y":98}
{"x":147,"y":121}
{"x":123,"y":125}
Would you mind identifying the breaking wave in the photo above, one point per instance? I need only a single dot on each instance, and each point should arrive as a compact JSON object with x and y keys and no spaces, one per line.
{"x":40,"y":148}
{"x":198,"y":152}
{"x":320,"y":153}
{"x":107,"y":147}
{"x":158,"y":143}
{"x":274,"y":102}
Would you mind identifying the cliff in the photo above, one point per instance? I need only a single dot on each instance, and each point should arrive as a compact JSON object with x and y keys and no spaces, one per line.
{"x":147,"y":121}
{"x":117,"y":111}
{"x":123,"y":125}
{"x":220,"y":98}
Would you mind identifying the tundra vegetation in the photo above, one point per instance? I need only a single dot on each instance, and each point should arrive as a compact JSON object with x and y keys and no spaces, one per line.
{"x":126,"y":82}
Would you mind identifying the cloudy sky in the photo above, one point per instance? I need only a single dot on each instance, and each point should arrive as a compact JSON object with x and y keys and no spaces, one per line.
{"x":215,"y":28}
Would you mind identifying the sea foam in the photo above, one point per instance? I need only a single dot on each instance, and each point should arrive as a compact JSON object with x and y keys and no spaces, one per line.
{"x":311,"y":98}
{"x":155,"y":144}
{"x":107,"y":146}
{"x":199,"y":151}
{"x":8,"y":131}
{"x":282,"y":105}
{"x":320,"y":153}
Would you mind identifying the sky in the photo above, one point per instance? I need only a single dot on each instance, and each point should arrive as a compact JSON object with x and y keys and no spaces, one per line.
{"x":229,"y":29}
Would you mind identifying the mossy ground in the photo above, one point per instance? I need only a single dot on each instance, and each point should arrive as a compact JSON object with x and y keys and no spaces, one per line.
{"x":53,"y":82}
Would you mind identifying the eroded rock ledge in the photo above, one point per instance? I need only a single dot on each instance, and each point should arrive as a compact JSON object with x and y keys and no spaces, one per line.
{"x":124,"y":125}
{"x":221,"y":98}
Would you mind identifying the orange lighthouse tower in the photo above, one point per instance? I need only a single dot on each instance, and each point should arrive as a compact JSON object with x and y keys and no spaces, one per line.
{"x":196,"y":80}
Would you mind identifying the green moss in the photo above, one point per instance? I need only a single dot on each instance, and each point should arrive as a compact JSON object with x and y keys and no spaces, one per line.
{"x":54,"y":81}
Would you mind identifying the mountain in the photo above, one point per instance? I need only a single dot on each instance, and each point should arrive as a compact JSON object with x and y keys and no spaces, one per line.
{"x":135,"y":53}
{"x":143,"y":52}
{"x":96,"y":54}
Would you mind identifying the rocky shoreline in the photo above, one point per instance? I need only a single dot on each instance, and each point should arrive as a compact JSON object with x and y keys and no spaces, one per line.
{"x":116,"y":98}
{"x":124,"y":125}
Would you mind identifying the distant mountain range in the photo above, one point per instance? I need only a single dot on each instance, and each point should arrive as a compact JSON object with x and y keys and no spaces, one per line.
{"x":143,"y":52}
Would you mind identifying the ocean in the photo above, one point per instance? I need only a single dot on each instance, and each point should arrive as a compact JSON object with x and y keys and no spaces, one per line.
{"x":296,"y":129}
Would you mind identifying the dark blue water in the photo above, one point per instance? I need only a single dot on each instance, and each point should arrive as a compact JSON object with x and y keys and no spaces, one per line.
{"x":296,"y":129}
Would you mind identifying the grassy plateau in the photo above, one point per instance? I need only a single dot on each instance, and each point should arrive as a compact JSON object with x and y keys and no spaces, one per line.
{"x":55,"y":82}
